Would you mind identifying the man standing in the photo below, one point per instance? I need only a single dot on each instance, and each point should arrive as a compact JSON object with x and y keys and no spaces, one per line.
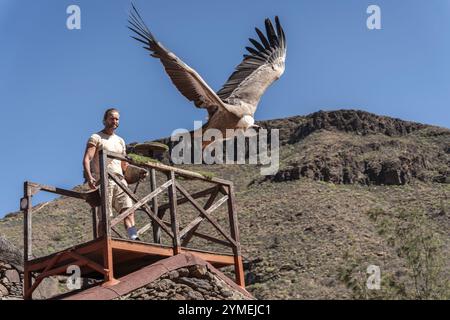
{"x":109,"y":141}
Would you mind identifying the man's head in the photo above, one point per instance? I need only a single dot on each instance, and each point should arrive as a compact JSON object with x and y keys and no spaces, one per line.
{"x":111,"y":119}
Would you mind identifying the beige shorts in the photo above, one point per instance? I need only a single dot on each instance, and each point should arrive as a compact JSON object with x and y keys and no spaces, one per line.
{"x":118,"y":199}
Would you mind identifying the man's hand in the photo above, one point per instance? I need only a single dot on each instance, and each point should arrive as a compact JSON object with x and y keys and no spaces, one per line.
{"x":143,"y":174}
{"x":91,"y":182}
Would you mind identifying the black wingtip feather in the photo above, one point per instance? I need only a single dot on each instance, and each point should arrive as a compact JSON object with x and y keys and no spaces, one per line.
{"x":252,"y":51}
{"x":139,"y":24}
{"x":257,"y":44}
{"x":144,"y":37}
{"x":140,"y":40}
{"x":136,"y":26}
{"x":278,"y":26}
{"x":273,"y":39}
{"x":263,"y":39}
{"x":271,"y":35}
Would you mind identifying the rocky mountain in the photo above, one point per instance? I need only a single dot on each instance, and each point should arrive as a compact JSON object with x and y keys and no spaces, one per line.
{"x":354,"y":190}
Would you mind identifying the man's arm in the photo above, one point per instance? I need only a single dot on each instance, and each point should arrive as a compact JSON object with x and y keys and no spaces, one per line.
{"x":88,"y":156}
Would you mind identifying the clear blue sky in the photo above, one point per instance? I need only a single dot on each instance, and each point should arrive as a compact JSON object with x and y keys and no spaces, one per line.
{"x":55,"y":83}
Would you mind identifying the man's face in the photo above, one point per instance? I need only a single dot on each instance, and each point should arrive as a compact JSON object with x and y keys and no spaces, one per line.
{"x":112,"y":121}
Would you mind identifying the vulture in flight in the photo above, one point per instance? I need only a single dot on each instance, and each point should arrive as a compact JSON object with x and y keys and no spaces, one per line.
{"x":234,"y":105}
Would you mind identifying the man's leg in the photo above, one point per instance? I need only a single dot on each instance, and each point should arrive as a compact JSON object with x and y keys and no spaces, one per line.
{"x":130,"y":226}
{"x":129,"y":221}
{"x":123,"y":203}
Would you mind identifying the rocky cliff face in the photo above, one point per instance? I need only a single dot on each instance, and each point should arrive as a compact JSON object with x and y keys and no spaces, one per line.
{"x":348,"y":147}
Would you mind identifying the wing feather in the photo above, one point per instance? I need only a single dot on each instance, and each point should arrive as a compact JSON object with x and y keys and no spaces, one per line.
{"x":259,"y":69}
{"x":185,"y":79}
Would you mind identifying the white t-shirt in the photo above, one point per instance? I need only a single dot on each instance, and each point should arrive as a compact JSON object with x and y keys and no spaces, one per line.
{"x":112,"y":143}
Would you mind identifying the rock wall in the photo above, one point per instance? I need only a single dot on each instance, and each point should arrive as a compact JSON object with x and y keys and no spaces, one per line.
{"x":11,"y":275}
{"x":181,"y":277}
{"x":11,"y":271}
{"x":10,"y":282}
{"x":192,"y":283}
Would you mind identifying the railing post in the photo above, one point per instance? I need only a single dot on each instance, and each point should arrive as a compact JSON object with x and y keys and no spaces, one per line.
{"x":26,"y":207}
{"x":104,"y":183}
{"x":105,"y":212}
{"x":94,"y":211}
{"x":173,"y":214}
{"x":156,"y":228}
{"x":238,"y":266}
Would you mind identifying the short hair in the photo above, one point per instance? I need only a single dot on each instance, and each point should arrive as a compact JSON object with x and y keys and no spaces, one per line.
{"x":107,"y":112}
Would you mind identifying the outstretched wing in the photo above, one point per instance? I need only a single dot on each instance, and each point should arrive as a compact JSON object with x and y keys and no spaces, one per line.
{"x":186,"y":79}
{"x":259,"y":69}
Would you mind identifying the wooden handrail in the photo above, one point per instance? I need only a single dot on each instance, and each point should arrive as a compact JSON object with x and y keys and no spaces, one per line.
{"x":167,"y":169}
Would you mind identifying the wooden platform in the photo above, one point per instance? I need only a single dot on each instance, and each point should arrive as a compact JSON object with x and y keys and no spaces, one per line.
{"x":128,"y":256}
{"x":108,"y":258}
